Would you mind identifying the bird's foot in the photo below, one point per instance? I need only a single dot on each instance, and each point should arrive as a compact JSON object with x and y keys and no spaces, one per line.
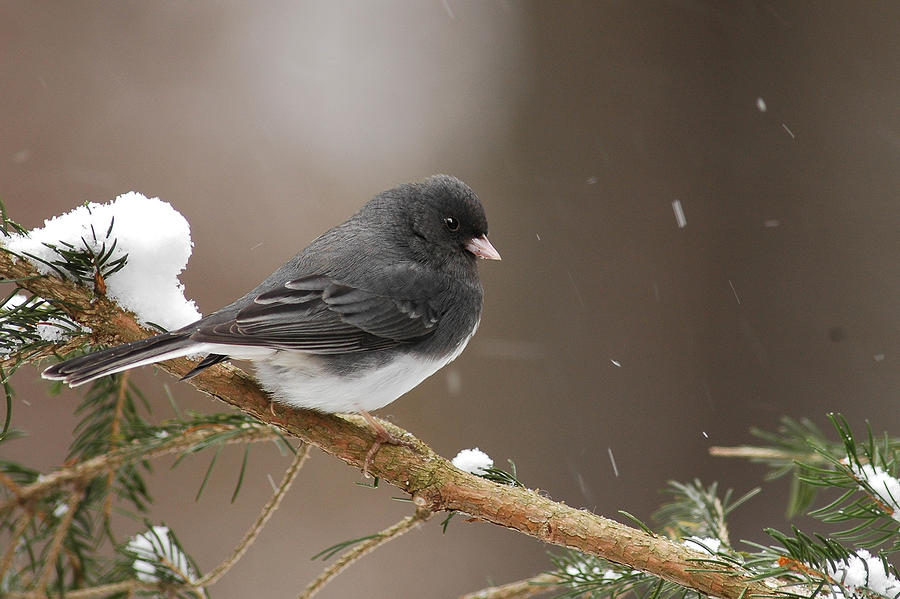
{"x":382,"y":436}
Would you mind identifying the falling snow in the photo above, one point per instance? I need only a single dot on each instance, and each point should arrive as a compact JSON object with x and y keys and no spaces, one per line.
{"x":734,"y":291}
{"x":454,"y":381}
{"x":679,"y":214}
{"x":612,"y":460}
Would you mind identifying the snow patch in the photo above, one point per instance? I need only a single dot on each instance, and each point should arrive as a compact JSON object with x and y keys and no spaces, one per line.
{"x":473,"y":461}
{"x":156,"y":238}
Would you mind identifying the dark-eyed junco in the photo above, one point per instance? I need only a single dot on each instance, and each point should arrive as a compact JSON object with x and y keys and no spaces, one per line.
{"x":361,"y":316}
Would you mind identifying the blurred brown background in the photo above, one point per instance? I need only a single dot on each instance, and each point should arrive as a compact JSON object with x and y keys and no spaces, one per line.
{"x":607,"y":328}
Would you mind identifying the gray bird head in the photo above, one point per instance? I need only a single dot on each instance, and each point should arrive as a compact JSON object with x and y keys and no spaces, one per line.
{"x":444,"y":220}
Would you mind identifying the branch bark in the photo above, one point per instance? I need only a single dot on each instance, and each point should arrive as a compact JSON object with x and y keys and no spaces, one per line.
{"x":433,"y":483}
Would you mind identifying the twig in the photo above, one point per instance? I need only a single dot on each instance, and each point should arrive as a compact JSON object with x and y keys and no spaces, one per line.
{"x":185,"y":576}
{"x":76,"y":342}
{"x":88,"y":468}
{"x":10,"y":484}
{"x":722,"y":532}
{"x":115,"y":434}
{"x":56,"y":543}
{"x":756,"y":453}
{"x":115,"y":438}
{"x":109,"y":589}
{"x":880,"y":503}
{"x":17,"y":533}
{"x":99,"y":591}
{"x":266,"y":513}
{"x":521,"y":589}
{"x":363,"y":548}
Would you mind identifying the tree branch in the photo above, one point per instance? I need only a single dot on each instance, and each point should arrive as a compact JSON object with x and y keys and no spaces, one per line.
{"x":266,"y":513}
{"x":106,"y":590}
{"x":761,"y":453}
{"x":57,"y":541}
{"x":432,"y":481}
{"x":82,"y":471}
{"x":367,"y":546}
{"x":10,"y":552}
{"x":521,"y":589}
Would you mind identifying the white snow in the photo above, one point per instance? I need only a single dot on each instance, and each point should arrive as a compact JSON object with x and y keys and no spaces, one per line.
{"x":862,"y":573}
{"x":52,"y":329}
{"x":885,"y":486}
{"x":587,"y":571}
{"x":51,"y":332}
{"x":155,"y":236}
{"x":60,"y":510}
{"x":709,"y":545}
{"x":15,"y":301}
{"x":473,"y":461}
{"x":156,"y":546}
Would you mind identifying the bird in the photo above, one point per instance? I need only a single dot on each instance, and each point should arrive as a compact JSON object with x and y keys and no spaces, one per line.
{"x":363,"y":314}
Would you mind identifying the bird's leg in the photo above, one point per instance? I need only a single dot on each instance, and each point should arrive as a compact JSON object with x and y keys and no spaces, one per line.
{"x":382,"y":436}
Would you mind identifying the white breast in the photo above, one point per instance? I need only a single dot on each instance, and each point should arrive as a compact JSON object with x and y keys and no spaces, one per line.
{"x":298,"y":379}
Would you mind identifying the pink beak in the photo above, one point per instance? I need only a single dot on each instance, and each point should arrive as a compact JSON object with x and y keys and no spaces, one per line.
{"x":481,"y":247}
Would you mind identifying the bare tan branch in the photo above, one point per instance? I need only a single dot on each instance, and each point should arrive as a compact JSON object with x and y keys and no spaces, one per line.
{"x":115,"y":439}
{"x":364,"y":548}
{"x":521,"y":589}
{"x":754,"y":453}
{"x":90,"y":592}
{"x":82,"y":471}
{"x":10,"y":552}
{"x":266,"y":513}
{"x":56,"y":543}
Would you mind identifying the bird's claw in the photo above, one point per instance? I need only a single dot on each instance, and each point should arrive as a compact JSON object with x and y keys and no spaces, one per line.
{"x":382,"y":436}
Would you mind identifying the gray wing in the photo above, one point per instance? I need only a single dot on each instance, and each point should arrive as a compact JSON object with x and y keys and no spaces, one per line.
{"x":317,"y":314}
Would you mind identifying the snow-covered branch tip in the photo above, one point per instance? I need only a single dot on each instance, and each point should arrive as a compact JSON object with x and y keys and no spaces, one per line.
{"x":143,"y":242}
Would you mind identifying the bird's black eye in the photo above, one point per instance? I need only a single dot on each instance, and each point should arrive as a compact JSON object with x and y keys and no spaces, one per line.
{"x":451,"y":223}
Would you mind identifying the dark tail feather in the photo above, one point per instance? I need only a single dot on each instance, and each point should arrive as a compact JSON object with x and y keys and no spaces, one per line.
{"x":204,"y":364}
{"x":84,"y":369}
